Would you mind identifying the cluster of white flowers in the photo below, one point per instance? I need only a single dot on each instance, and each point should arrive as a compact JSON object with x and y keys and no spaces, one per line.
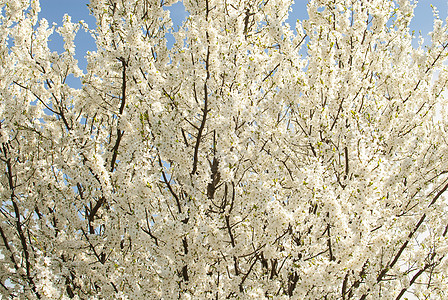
{"x":227,"y":166}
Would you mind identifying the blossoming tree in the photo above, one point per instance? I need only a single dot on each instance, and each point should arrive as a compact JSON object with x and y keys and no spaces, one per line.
{"x":229,"y":165}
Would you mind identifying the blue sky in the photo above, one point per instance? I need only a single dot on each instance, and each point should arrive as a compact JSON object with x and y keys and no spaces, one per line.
{"x":54,"y":10}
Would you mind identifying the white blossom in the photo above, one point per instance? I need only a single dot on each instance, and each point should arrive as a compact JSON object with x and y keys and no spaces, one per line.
{"x":229,"y":165}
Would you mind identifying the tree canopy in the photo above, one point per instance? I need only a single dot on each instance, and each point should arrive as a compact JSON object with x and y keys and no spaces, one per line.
{"x":248,"y":160}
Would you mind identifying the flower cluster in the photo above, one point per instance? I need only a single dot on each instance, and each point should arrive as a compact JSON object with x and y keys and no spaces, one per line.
{"x":228,"y":165}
